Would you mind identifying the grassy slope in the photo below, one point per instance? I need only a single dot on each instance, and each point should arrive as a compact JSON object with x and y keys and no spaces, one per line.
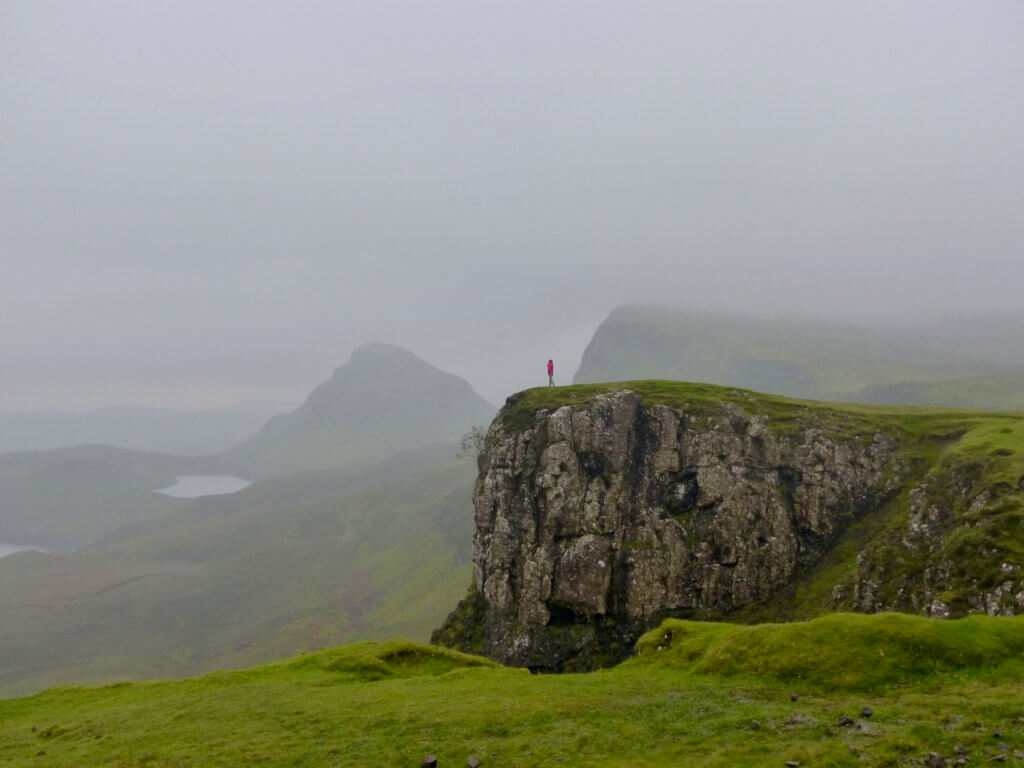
{"x":242,"y":579}
{"x":690,"y":703}
{"x":934,"y":443}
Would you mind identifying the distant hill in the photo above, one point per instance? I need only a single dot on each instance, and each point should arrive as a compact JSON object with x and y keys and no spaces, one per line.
{"x":163,"y":430}
{"x":798,"y":359}
{"x":289,"y":564}
{"x":67,"y":497}
{"x":1002,"y":392}
{"x":384,"y":400}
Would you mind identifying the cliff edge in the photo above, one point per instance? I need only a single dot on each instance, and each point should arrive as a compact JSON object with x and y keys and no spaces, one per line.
{"x":601,"y":510}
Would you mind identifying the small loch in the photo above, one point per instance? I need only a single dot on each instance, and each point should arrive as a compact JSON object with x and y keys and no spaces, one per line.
{"x":196,"y":486}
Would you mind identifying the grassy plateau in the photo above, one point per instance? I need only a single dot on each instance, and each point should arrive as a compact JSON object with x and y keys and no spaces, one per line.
{"x":695,"y":694}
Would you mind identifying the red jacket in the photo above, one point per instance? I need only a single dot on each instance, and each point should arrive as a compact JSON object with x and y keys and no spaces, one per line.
{"x":551,"y":368}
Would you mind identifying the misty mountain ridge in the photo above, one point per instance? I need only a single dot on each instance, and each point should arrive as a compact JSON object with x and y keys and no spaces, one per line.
{"x":813,"y":359}
{"x":163,"y":430}
{"x":384,"y":400}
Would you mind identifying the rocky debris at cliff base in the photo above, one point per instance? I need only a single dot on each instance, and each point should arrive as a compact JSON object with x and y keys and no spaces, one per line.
{"x":428,"y":762}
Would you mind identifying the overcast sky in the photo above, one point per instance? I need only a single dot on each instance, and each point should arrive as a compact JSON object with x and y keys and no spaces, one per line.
{"x":203,"y":201}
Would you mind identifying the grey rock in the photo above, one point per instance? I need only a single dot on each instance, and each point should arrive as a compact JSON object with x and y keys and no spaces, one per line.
{"x":597,"y":520}
{"x":473,"y":763}
{"x":934,"y":760}
{"x":428,"y":762}
{"x":867,"y":712}
{"x":845,"y":721}
{"x":792,"y":764}
{"x":755,"y":724}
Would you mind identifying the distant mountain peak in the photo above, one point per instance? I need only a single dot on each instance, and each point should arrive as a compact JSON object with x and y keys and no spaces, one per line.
{"x":383,"y":401}
{"x":382,"y":349}
{"x":380,"y":353}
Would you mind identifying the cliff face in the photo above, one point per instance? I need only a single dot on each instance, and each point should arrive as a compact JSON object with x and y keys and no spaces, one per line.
{"x":595,"y":521}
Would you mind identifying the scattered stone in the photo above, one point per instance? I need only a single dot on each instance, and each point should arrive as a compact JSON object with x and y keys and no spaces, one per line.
{"x":796,"y":719}
{"x":997,"y":733}
{"x":962,"y":760}
{"x":473,"y":763}
{"x":1018,"y":754}
{"x":792,"y":764}
{"x":935,"y":760}
{"x":794,"y":697}
{"x":755,"y":724}
{"x":960,"y":749}
{"x":1000,"y":758}
{"x":867,"y":712}
{"x":845,"y":721}
{"x":1003,"y":747}
{"x":429,"y":762}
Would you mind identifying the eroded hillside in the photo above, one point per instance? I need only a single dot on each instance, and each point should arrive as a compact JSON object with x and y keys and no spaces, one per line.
{"x":602,"y":509}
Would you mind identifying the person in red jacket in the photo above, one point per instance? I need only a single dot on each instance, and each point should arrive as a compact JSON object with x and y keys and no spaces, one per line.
{"x":551,"y":373}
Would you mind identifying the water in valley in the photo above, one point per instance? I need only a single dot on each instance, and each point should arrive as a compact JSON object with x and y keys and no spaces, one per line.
{"x":194,"y":486}
{"x":10,"y":549}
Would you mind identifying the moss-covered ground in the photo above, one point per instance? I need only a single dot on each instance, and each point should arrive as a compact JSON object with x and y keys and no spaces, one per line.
{"x":690,"y":697}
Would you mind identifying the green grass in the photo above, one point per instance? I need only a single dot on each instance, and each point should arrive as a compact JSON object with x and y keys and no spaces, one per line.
{"x":843,"y":651}
{"x":691,"y":703}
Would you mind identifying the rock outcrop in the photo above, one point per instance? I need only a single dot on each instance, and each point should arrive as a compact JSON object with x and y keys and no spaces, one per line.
{"x":596,"y":521}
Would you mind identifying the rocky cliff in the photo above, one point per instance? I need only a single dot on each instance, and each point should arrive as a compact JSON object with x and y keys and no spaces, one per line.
{"x":597,"y":519}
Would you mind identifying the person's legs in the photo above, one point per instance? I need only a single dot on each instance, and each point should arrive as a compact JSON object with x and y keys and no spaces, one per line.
{"x":551,"y":380}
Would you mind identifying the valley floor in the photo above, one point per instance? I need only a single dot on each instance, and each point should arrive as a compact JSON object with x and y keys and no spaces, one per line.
{"x":392,"y":704}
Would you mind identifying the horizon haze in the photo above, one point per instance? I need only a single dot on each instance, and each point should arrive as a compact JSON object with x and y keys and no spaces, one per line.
{"x":205,"y":203}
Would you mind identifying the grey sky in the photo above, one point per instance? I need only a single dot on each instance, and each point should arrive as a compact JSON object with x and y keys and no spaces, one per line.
{"x":208,"y":201}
